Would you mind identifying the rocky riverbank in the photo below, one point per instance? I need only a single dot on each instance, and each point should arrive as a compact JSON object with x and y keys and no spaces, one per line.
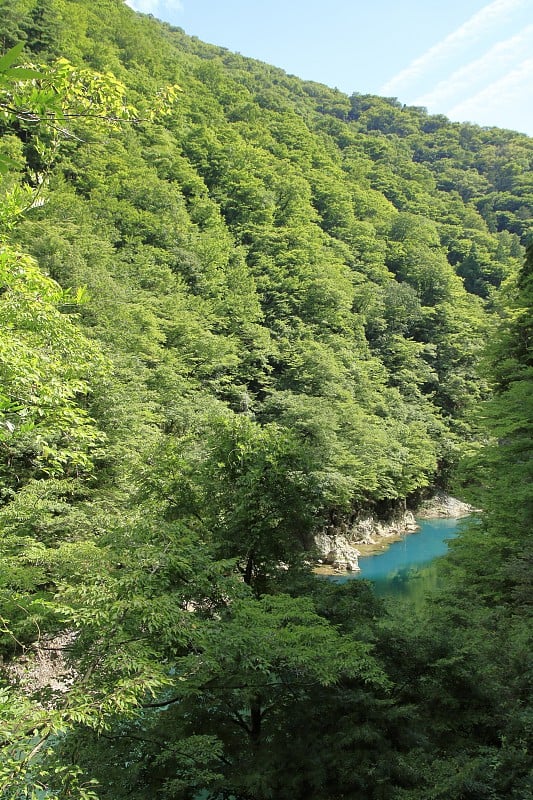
{"x":339,"y":548}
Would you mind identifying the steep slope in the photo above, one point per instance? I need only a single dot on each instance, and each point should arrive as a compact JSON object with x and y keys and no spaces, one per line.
{"x":299,"y":255}
{"x":269,"y":311}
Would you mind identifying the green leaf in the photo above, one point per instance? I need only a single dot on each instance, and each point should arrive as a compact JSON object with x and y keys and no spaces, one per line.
{"x":11,"y":56}
{"x":22,"y":73}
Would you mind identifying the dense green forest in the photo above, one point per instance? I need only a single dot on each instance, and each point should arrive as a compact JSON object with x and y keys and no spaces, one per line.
{"x":237,"y":308}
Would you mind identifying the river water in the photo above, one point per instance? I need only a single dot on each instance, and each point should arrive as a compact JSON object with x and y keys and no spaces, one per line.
{"x":406,"y":566}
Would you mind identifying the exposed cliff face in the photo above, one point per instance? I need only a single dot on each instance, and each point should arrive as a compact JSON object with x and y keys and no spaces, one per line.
{"x":45,"y":665}
{"x":442,"y":505}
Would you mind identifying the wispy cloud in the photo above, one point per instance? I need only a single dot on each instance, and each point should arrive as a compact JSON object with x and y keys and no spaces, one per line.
{"x":470,"y":31}
{"x":155,"y":7}
{"x":508,"y":91}
{"x":501,"y":56}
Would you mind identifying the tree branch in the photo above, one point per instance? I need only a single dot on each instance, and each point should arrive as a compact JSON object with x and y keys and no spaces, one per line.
{"x":240,"y":686}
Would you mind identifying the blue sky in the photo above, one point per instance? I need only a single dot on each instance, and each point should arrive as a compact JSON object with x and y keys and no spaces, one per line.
{"x":469,"y":59}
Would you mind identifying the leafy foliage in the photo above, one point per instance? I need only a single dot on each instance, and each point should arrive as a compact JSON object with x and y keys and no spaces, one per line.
{"x":230,"y":315}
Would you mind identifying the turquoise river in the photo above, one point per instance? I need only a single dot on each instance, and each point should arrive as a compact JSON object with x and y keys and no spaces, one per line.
{"x":407,"y":565}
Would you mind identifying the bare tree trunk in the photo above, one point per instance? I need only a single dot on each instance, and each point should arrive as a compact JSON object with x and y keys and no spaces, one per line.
{"x":249,"y":569}
{"x":255,"y":719}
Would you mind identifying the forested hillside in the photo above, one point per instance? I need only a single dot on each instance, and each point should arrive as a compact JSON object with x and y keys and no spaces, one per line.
{"x":235,"y":308}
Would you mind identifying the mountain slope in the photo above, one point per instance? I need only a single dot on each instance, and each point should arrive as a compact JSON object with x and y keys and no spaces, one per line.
{"x":269,"y":309}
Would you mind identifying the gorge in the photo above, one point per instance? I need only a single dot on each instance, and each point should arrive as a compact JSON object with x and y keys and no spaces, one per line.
{"x":240,"y":311}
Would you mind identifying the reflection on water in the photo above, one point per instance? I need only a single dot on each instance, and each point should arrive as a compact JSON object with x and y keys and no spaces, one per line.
{"x":412,"y":584}
{"x":405,"y":568}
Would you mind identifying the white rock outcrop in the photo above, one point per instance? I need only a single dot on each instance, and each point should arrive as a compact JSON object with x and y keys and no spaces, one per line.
{"x":369,"y":530}
{"x":337,"y":552}
{"x":441,"y":505}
